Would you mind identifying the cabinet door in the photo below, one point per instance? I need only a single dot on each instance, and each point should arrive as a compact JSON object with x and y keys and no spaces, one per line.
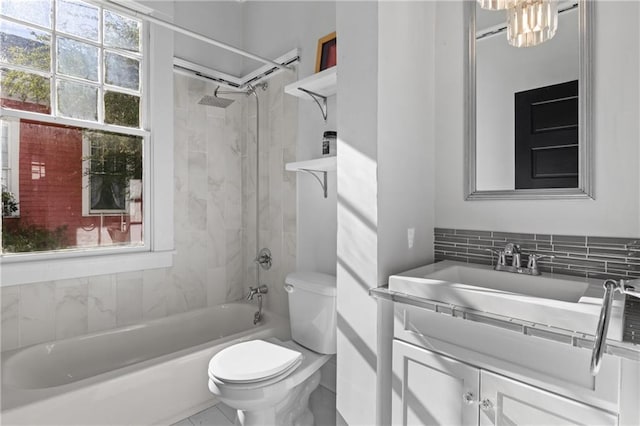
{"x":506,"y":402}
{"x":430,"y":389}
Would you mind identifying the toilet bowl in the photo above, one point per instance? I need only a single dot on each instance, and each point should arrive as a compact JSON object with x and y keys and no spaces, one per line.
{"x":269,"y":400}
{"x":269,"y":381}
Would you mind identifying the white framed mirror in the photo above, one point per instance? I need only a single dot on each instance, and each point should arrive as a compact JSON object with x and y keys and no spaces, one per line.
{"x":528,"y":114}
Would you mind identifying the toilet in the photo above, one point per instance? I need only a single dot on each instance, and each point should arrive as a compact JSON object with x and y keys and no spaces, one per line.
{"x":269,"y":381}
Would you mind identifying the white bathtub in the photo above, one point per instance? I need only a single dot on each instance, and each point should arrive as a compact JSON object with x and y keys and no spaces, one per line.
{"x":152,"y":373}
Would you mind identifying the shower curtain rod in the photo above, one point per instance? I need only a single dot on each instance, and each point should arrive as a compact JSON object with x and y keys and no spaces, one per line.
{"x":176,"y":28}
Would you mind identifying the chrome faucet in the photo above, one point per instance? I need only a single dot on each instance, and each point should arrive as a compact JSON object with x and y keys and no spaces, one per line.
{"x":263,"y":289}
{"x":513,"y":250}
{"x":257,"y":291}
{"x":264,"y":259}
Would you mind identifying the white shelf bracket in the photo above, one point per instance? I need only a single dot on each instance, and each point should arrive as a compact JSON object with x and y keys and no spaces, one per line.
{"x":322,"y":182}
{"x":317,"y":98}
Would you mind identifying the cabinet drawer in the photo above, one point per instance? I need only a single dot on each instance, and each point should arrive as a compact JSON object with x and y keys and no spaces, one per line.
{"x":555,"y":366}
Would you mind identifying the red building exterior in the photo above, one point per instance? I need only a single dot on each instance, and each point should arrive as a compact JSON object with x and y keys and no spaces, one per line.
{"x":51,"y":185}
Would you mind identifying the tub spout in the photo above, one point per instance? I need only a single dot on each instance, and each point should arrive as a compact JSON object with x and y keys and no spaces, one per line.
{"x":257,"y":317}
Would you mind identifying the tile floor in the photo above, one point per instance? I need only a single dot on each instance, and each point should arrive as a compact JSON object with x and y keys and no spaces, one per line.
{"x":218,"y":415}
{"x":322,"y":402}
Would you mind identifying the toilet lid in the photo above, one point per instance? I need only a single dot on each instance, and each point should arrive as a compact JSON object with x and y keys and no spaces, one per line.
{"x":252,"y":361}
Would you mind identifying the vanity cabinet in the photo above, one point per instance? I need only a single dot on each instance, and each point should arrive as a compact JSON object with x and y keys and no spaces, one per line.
{"x":447,"y":370}
{"x":434,"y":389}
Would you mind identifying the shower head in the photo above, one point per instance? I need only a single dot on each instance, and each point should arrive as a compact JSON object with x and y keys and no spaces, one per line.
{"x":215,"y":101}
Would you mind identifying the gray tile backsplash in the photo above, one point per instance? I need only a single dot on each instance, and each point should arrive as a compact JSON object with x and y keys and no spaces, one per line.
{"x":587,"y":256}
{"x":584,"y":256}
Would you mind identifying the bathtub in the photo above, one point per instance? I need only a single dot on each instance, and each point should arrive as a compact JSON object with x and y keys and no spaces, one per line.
{"x":151,"y":373}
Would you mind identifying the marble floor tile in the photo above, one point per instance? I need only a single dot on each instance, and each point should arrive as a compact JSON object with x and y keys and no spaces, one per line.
{"x":183,"y":422}
{"x":210,"y":417}
{"x":229,"y":412}
{"x":323,"y":406}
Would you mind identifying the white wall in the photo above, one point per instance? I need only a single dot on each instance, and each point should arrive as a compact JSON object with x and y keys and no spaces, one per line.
{"x":357,"y":270}
{"x":406,"y":137}
{"x":501,"y":71}
{"x":220,"y":20}
{"x":385,"y":183}
{"x":275,"y":27}
{"x":317,"y":218}
{"x":616,"y":208}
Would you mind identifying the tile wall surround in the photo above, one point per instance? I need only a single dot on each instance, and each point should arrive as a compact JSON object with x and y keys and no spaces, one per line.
{"x":214,"y":190}
{"x":578,"y":255}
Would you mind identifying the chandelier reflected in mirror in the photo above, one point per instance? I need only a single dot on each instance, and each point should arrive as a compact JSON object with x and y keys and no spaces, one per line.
{"x":529,"y":22}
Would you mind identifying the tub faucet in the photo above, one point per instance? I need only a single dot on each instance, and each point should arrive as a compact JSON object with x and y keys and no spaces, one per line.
{"x":257,"y":290}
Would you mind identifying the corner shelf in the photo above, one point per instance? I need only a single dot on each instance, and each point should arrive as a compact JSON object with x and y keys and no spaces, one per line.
{"x":318,"y":87}
{"x":315,"y":167}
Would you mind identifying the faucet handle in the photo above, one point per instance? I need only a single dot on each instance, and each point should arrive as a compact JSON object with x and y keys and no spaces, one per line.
{"x":502,"y":260}
{"x":533,"y":260}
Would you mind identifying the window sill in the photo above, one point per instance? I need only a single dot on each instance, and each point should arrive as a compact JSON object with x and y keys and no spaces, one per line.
{"x":22,"y":271}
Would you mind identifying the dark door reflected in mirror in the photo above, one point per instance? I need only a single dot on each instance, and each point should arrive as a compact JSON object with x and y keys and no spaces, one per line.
{"x":546,"y":139}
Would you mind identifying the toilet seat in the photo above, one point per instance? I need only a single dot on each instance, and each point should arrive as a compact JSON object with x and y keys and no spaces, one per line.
{"x":252,"y":362}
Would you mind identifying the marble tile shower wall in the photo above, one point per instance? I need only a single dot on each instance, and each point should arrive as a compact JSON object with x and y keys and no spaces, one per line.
{"x":277,"y":188}
{"x":214,"y":187}
{"x":579,"y":255}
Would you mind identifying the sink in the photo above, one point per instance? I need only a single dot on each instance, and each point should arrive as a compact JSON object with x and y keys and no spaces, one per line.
{"x":536,"y":286}
{"x":561,"y":301}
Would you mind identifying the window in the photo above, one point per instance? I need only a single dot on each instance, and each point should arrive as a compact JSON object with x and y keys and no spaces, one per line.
{"x":113,"y":172}
{"x":73,"y":117}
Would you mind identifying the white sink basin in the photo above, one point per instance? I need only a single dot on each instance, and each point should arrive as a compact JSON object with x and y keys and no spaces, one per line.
{"x":566,"y":302}
{"x":536,"y":286}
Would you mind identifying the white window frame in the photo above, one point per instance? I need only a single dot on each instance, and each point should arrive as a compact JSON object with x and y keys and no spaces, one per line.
{"x":157,"y":82}
{"x":13,"y":152}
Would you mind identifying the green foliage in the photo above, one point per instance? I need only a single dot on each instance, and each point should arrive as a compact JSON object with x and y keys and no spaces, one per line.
{"x":9,"y":204}
{"x":28,"y":238}
{"x":26,"y":86}
{"x":121,"y":109}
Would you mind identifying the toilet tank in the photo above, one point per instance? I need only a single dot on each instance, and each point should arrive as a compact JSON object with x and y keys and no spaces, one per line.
{"x":312,"y":310}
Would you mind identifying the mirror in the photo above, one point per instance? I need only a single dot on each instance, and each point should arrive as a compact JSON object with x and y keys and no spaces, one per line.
{"x":528,"y":109}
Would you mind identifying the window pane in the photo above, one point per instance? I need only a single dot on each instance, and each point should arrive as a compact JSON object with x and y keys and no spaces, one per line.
{"x":77,"y":100}
{"x":57,"y":182}
{"x":77,"y":59}
{"x":121,"y":32}
{"x":115,"y":161}
{"x":34,"y":11}
{"x":77,"y":18}
{"x":122,"y":71}
{"x":24,"y":46}
{"x":25,"y":91}
{"x":121,"y":109}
